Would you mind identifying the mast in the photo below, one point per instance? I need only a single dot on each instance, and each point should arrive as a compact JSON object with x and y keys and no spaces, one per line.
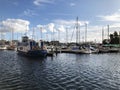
{"x":41,"y":32}
{"x":1,"y":27}
{"x":77,"y":27}
{"x":85,"y":32}
{"x":66,"y":35}
{"x":47,"y":36}
{"x":108,"y":31}
{"x":1,"y":35}
{"x":102,"y":34}
{"x":58,"y":35}
{"x":12,"y":33}
{"x":33,"y":36}
{"x":26,"y":30}
{"x":53,"y":34}
{"x":119,"y":38}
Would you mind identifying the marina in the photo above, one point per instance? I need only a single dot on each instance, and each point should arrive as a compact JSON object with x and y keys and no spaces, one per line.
{"x":59,"y":45}
{"x":85,"y":48}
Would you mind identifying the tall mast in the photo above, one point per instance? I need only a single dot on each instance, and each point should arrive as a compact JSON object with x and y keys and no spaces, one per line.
{"x":1,"y":27}
{"x":12,"y":32}
{"x":53,"y":34}
{"x":26,"y":30}
{"x":102,"y":34}
{"x":53,"y":37}
{"x":58,"y":35}
{"x":41,"y":32}
{"x":119,"y":38}
{"x":47,"y":36}
{"x":66,"y":35}
{"x":33,"y":36}
{"x":85,"y":32}
{"x":108,"y":31}
{"x":77,"y":31}
{"x":1,"y":35}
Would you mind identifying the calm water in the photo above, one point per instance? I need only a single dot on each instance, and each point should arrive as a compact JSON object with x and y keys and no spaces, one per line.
{"x":62,"y":72}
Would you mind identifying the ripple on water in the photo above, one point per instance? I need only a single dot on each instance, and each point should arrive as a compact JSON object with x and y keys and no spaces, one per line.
{"x":63,"y":72}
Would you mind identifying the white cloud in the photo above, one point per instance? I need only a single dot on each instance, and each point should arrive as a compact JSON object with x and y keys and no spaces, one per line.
{"x":41,"y":27}
{"x":114,"y":27}
{"x":69,"y":22}
{"x":46,"y":28}
{"x":94,"y":33}
{"x":72,"y":4}
{"x":39,"y":2}
{"x":61,"y":28}
{"x":51,"y":27}
{"x":115,"y":17}
{"x":17,"y":25}
{"x":29,"y":12}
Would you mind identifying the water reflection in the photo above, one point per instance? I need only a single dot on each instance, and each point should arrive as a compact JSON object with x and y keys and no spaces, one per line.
{"x":62,"y":72}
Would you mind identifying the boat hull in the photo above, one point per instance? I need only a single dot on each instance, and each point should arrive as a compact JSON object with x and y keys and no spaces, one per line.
{"x":33,"y":53}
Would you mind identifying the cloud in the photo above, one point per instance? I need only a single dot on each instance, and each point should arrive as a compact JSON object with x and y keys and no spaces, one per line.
{"x":46,"y":28}
{"x":47,"y":31}
{"x":15,"y":3}
{"x":69,"y":22}
{"x":41,"y":27}
{"x":40,"y":2}
{"x":94,"y":33}
{"x":115,"y":17}
{"x":51,"y":27}
{"x":29,"y":13}
{"x":17,"y":25}
{"x":61,"y":28}
{"x":114,"y":27}
{"x":72,"y":4}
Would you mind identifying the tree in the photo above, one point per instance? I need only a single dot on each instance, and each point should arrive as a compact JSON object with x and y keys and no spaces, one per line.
{"x":114,"y":38}
{"x":115,"y":34}
{"x":111,"y":38}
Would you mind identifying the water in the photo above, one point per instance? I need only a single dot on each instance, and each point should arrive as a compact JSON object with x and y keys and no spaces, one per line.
{"x":62,"y":72}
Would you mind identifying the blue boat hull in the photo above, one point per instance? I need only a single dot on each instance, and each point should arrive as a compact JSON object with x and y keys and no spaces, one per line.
{"x":34,"y":53}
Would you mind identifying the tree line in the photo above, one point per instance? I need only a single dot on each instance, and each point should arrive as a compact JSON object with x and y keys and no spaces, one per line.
{"x":114,"y":39}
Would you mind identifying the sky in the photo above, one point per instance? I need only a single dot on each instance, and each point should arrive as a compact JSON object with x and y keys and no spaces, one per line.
{"x":51,"y":19}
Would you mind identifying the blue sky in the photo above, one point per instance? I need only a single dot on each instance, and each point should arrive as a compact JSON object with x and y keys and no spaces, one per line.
{"x":18,"y":15}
